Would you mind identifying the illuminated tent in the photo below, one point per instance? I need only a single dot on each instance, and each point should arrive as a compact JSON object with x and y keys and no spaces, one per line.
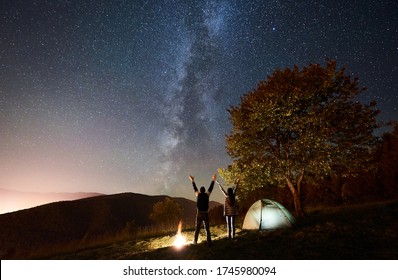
{"x":267,"y":214}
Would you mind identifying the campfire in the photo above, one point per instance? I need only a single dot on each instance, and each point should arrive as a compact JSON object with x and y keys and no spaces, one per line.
{"x":180,"y":240}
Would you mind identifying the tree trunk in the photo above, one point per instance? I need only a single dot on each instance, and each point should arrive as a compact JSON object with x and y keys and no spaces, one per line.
{"x":295,"y":190}
{"x":297,"y":205}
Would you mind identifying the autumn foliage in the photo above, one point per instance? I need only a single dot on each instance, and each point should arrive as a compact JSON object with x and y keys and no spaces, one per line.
{"x":301,"y":124}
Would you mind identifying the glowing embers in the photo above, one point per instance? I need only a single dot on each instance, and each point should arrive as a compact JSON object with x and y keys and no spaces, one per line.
{"x":180,"y":240}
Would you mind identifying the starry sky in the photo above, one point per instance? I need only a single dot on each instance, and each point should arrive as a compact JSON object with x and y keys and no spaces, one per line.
{"x":131,"y":95}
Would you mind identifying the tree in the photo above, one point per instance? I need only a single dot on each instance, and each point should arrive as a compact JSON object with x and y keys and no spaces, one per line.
{"x":167,"y":212}
{"x":389,"y":162}
{"x":297,"y":123}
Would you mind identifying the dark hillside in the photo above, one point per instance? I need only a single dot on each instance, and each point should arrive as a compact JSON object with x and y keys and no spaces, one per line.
{"x":76,"y":222}
{"x":365,"y":232}
{"x":358,"y":232}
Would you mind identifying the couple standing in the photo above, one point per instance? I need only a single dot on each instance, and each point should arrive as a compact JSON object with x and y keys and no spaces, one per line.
{"x":202,"y":205}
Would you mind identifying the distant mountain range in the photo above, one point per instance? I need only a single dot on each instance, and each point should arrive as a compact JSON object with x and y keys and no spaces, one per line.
{"x":11,"y":201}
{"x":36,"y":231}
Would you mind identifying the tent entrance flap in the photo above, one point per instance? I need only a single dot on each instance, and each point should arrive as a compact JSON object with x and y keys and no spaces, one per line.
{"x":267,"y":214}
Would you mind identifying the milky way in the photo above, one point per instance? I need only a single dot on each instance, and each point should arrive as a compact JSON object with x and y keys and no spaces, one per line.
{"x":116,"y":96}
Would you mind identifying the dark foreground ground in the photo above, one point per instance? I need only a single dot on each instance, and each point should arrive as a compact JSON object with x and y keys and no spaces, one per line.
{"x":356,"y":232}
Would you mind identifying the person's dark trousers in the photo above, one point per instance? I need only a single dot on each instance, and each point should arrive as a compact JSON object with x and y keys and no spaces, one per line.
{"x":202,"y":218}
{"x":230,"y":226}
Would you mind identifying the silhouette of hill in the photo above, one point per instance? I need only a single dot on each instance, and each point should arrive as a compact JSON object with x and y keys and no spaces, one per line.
{"x":352,"y":232}
{"x":11,"y":200}
{"x":28,"y":232}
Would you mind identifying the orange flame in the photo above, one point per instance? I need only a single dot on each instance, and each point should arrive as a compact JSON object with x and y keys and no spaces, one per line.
{"x":180,"y":240}
{"x":179,"y":228}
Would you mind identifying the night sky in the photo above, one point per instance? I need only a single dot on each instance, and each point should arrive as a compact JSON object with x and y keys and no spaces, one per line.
{"x":131,"y":96}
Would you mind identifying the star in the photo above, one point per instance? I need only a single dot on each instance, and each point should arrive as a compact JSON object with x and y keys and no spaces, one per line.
{"x":115,"y":96}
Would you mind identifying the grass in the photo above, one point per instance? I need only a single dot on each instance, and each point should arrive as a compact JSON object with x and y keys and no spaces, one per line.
{"x":64,"y":227}
{"x":356,"y":232}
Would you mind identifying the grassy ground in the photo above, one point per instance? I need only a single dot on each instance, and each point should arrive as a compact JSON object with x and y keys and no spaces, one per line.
{"x":356,"y":232}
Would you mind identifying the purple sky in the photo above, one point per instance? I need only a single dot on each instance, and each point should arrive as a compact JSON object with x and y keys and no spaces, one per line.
{"x":131,"y":96}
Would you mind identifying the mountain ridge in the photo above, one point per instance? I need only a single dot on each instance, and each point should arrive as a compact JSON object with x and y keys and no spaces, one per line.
{"x":27,"y":231}
{"x":11,"y":200}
